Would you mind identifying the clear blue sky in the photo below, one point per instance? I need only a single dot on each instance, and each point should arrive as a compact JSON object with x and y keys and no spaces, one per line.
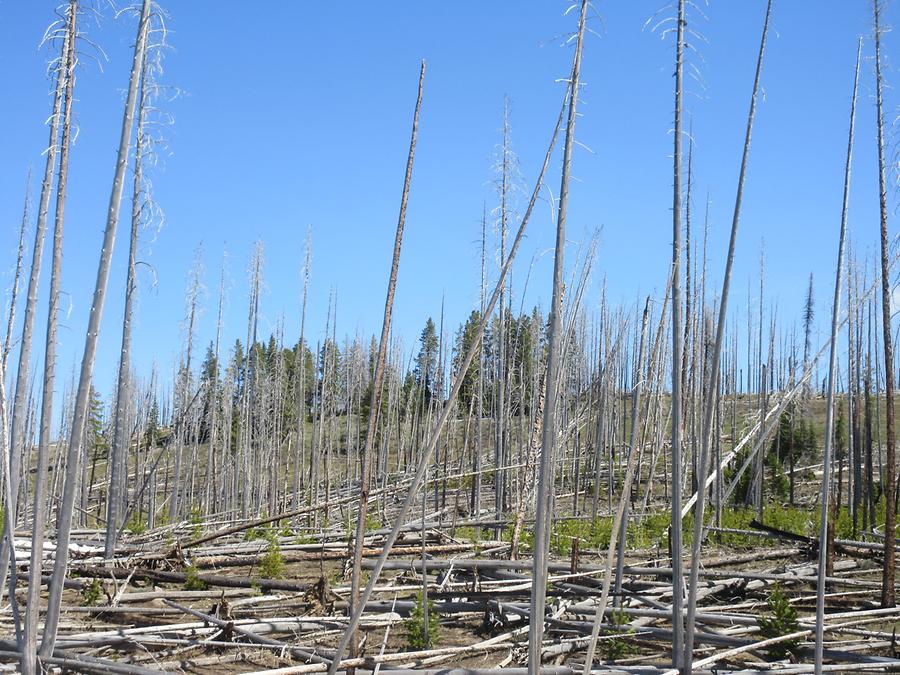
{"x":297,"y":114}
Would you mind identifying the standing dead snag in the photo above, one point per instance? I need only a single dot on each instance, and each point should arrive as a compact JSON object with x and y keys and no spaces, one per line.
{"x":90,"y":346}
{"x":712,"y":387}
{"x":826,"y":534}
{"x":554,"y":338}
{"x":20,"y":396}
{"x":887,"y":577}
{"x":375,"y":407}
{"x":14,"y":291}
{"x":448,"y":407}
{"x":29,"y":648}
{"x":677,"y":358}
{"x":121,"y":438}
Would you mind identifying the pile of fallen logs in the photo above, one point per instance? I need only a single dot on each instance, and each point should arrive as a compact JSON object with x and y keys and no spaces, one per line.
{"x":194,"y":598}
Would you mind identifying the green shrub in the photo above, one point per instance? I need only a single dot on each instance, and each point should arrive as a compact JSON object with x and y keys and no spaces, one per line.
{"x":192,"y":581}
{"x":272,"y":564}
{"x":781,"y":620}
{"x":653,"y":530}
{"x":779,"y":485}
{"x":471,"y":533}
{"x":617,"y":647}
{"x":196,"y":519}
{"x":791,"y":519}
{"x":135,"y":524}
{"x":92,"y":593}
{"x":418,"y":635}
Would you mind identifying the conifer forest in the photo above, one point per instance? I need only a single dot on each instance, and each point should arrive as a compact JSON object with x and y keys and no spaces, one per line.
{"x":689,"y":479}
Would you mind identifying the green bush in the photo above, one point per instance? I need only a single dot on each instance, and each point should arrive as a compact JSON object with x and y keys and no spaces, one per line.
{"x":781,"y":620}
{"x":617,"y":647}
{"x":779,"y":486}
{"x":135,"y":524}
{"x":791,"y":519}
{"x":272,"y":564}
{"x":418,"y":635}
{"x":192,"y":581}
{"x":653,"y":530}
{"x":92,"y":593}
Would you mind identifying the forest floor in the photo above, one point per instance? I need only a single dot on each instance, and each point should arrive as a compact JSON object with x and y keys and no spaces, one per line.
{"x":266,"y":597}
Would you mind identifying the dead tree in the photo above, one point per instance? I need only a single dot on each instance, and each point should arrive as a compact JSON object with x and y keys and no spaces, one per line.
{"x":20,"y":395}
{"x":378,"y":379}
{"x":887,"y":577}
{"x":90,"y":347}
{"x":14,"y":291}
{"x":715,"y":363}
{"x":677,"y":346}
{"x":825,"y":491}
{"x":548,"y":434}
{"x":121,"y":438}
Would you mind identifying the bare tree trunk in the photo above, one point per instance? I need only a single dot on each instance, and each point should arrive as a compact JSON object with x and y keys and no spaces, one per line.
{"x":90,"y":348}
{"x":826,"y":540}
{"x":887,"y":576}
{"x":20,"y":396}
{"x":29,"y":648}
{"x":678,"y":642}
{"x":122,"y":436}
{"x":715,"y":365}
{"x":301,"y":362}
{"x":615,"y":553}
{"x":544,"y":507}
{"x":448,"y":407}
{"x":210,"y":499}
{"x":378,"y":380}
{"x":500,"y":450}
{"x":14,"y":292}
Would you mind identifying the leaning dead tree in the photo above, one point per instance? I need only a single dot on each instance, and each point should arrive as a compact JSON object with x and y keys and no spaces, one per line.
{"x":378,"y":377}
{"x":139,"y":205}
{"x":449,"y":405}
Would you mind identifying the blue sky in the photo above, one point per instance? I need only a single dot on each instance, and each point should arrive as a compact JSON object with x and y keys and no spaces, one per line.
{"x":298,"y":114}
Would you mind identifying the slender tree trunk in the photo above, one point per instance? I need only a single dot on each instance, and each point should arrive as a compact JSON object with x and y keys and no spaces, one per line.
{"x":90,"y":348}
{"x":678,"y":643}
{"x":544,"y":506}
{"x":615,"y":553}
{"x":501,"y":405}
{"x":14,"y":291}
{"x":825,"y":490}
{"x":29,"y":648}
{"x":121,"y":432}
{"x":714,"y":365}
{"x":378,"y":380}
{"x":301,"y":370}
{"x":20,"y":396}
{"x":887,"y":576}
{"x":448,"y":407}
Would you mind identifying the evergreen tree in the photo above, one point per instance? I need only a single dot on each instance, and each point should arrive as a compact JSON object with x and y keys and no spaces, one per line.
{"x":95,"y":436}
{"x":465,"y":337}
{"x":209,"y":375}
{"x":426,"y":369}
